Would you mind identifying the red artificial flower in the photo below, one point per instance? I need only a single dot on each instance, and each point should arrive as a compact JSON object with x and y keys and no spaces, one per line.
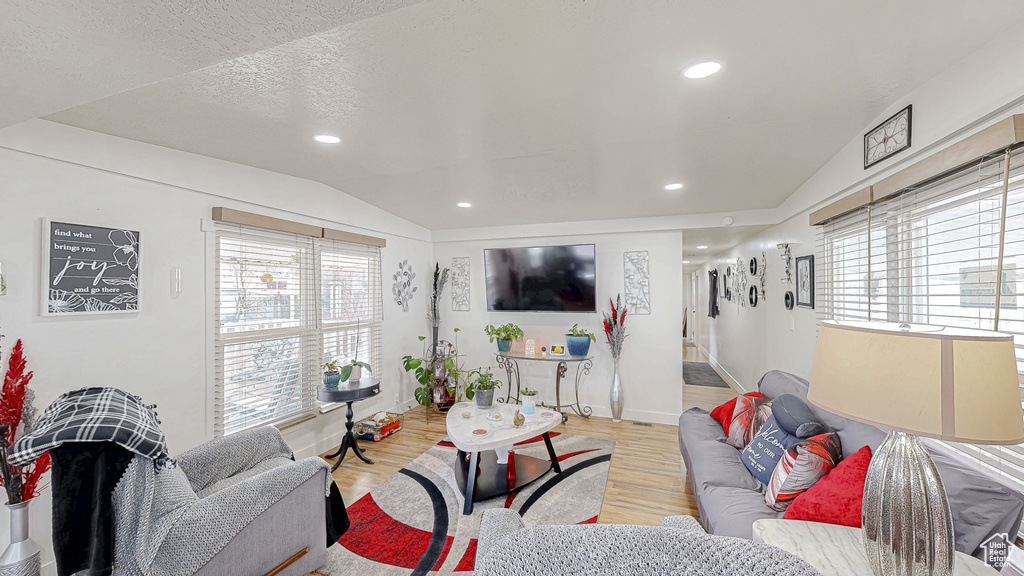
{"x":622,"y":321}
{"x":13,"y":400}
{"x":31,"y":478}
{"x":612,"y":304}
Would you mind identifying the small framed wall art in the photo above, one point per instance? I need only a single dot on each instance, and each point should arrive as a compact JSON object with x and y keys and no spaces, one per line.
{"x":90,"y":269}
{"x":805,"y":281}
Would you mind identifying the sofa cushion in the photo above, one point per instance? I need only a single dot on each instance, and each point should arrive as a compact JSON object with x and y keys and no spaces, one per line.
{"x":766,"y":450}
{"x":838,"y":497}
{"x":723,"y":413}
{"x":803,"y":464}
{"x":795,"y":417}
{"x":732,"y":511}
{"x":854,"y":435}
{"x":747,"y":419}
{"x":709,"y":460}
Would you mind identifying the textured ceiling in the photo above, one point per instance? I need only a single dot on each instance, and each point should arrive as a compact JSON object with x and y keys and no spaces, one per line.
{"x":55,"y":54}
{"x":542,"y":111}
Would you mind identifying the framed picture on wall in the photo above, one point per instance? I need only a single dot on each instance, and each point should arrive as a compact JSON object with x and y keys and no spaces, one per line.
{"x":89,"y":269}
{"x":805,"y":281}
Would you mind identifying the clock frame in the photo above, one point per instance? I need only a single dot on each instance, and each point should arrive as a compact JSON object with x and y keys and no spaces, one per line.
{"x":890,"y":122}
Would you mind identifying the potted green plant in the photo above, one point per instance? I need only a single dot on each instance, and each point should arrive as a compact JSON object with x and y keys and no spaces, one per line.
{"x":578,"y":340}
{"x":482,"y":388}
{"x":332,"y":374}
{"x":529,"y":400}
{"x":504,"y":335}
{"x":353,"y":371}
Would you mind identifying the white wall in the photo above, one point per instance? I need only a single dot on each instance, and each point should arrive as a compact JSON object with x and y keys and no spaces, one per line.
{"x":161,"y":354}
{"x":981,"y":89}
{"x":651,"y":362}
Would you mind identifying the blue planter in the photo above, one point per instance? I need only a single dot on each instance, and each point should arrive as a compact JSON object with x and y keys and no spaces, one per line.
{"x":332,"y":379}
{"x":577,"y":345}
{"x":504,"y":345}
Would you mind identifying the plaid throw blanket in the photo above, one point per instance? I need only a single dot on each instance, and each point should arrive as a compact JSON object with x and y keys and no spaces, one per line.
{"x":95,"y":415}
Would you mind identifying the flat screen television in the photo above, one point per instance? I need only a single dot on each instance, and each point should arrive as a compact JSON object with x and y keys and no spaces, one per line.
{"x":541,"y":278}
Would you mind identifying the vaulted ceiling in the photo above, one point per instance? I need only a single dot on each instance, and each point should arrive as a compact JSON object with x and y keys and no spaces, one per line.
{"x":533,"y":111}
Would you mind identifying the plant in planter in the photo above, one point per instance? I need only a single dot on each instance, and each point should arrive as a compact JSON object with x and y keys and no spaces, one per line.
{"x":529,"y":400}
{"x":615,"y":332}
{"x":578,"y":340}
{"x":353,"y":371}
{"x":482,"y":388}
{"x":332,"y":374}
{"x":504,"y":335}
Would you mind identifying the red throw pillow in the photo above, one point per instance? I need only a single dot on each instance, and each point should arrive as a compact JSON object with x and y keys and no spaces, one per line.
{"x":724,"y":412}
{"x":836,"y":498}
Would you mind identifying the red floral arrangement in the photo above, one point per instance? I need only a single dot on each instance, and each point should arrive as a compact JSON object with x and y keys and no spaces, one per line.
{"x":20,"y":482}
{"x":614,"y":326}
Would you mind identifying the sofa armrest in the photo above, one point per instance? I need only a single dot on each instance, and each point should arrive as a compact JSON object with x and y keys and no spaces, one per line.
{"x":685,"y":523}
{"x":227,"y":456}
{"x":495,"y":525}
{"x":206,"y":526}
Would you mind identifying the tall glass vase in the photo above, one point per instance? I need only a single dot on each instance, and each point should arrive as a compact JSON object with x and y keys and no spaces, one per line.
{"x":21,"y":558}
{"x":616,"y":395}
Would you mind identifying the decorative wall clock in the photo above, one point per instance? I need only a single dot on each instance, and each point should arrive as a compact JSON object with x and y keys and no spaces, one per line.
{"x":888,"y":138}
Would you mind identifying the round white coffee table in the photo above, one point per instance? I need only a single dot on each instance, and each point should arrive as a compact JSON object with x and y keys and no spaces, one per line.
{"x":487,"y":443}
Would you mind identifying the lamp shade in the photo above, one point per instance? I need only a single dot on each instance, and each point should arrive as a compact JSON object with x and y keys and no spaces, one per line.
{"x":949,"y":383}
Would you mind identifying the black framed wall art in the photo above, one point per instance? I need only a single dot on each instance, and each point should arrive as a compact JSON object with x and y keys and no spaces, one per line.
{"x":90,"y":269}
{"x":805,"y":281}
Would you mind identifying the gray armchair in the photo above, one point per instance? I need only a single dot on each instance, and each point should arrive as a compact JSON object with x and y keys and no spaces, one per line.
{"x":237,"y":505}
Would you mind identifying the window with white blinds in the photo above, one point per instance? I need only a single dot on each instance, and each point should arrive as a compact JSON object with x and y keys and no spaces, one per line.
{"x":932,"y":256}
{"x":285,"y":304}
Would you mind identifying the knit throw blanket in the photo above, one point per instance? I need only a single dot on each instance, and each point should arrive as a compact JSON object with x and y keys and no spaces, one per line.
{"x":164,"y":529}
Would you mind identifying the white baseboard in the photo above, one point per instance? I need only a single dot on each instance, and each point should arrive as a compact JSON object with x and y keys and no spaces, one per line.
{"x":732,"y":382}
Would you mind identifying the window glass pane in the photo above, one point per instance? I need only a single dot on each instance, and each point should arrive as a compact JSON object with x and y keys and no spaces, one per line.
{"x":262,"y":382}
{"x":259,"y":285}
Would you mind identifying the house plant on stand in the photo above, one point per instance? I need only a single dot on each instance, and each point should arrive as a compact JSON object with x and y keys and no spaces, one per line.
{"x":332,"y":374}
{"x":17,"y":416}
{"x":504,"y":335}
{"x":615,"y":332}
{"x":578,"y":340}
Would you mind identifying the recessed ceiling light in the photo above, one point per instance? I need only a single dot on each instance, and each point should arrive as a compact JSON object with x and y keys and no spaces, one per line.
{"x":702,"y":247}
{"x":673,"y":186}
{"x":464,"y":204}
{"x":702,"y":70}
{"x":686,"y":261}
{"x":326,"y":139}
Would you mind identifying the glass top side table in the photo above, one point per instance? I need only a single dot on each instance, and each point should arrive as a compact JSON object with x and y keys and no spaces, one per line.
{"x":509,"y":361}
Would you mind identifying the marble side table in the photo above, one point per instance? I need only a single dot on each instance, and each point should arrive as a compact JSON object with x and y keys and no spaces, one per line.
{"x":838,"y":550}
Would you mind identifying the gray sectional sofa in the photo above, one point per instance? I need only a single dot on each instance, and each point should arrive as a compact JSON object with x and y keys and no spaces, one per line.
{"x":730,"y":500}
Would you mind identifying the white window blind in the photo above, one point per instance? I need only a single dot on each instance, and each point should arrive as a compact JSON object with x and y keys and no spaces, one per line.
{"x":932,"y":256}
{"x":285,"y":303}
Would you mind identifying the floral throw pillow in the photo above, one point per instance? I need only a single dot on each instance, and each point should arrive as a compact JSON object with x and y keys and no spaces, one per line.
{"x":803,"y":464}
{"x":747,"y":418}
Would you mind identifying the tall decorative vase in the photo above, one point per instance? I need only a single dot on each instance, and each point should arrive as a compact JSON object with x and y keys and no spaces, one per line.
{"x":616,"y":395}
{"x":21,"y":558}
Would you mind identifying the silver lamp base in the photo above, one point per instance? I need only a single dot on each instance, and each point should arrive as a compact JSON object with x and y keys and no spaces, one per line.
{"x":907,"y":524}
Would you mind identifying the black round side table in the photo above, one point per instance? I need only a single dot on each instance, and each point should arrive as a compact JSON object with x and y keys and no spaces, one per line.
{"x":348,"y":393}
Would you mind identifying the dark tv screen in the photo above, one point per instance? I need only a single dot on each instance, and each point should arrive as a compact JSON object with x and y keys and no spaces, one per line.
{"x":541,"y":278}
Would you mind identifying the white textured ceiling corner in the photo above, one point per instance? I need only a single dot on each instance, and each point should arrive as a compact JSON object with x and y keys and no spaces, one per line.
{"x":539,"y":111}
{"x":62,"y":53}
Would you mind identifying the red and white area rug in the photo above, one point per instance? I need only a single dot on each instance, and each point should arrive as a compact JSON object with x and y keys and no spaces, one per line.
{"x":413,"y":524}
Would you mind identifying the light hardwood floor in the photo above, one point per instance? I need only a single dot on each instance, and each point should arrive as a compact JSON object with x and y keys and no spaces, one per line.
{"x":645,"y":482}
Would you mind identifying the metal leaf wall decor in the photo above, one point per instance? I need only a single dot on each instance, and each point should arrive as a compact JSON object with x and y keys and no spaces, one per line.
{"x":637,"y":274}
{"x":460,"y":284}
{"x":403,"y":289}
